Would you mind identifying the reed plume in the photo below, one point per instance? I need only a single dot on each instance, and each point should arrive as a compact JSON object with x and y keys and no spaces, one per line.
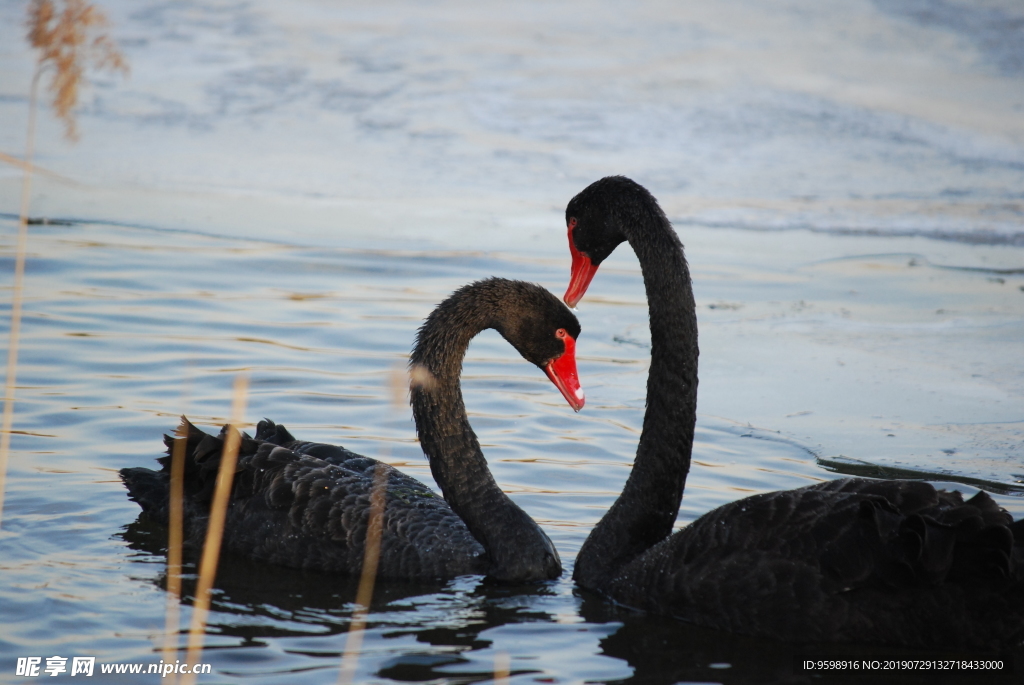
{"x":69,"y":41}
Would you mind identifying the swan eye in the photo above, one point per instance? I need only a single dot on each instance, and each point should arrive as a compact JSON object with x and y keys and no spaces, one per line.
{"x":572,"y":223}
{"x":561,"y":333}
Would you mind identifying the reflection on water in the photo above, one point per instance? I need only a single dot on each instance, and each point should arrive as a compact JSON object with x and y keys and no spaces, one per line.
{"x":662,"y":651}
{"x":127,"y":328}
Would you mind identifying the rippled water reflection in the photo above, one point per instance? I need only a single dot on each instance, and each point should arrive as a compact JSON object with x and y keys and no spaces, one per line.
{"x":126,"y":328}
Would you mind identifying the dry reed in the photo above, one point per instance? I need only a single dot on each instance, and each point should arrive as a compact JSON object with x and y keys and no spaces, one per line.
{"x":215,"y":528}
{"x":371,"y":557}
{"x":174,"y":543}
{"x":502,"y":667}
{"x":69,"y":41}
{"x":36,"y":169}
{"x":398,"y":385}
{"x":63,"y":42}
{"x":10,"y":380}
{"x":399,"y":381}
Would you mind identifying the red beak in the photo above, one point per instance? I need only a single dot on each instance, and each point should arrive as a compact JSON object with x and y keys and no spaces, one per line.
{"x":562,"y":372}
{"x":581,"y":275}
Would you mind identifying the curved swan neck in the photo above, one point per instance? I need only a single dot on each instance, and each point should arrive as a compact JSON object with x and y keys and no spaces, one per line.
{"x":646,"y":511}
{"x":512,"y":539}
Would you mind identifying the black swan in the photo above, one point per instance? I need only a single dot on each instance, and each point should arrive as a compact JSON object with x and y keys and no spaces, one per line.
{"x":305,"y":504}
{"x":851,"y":560}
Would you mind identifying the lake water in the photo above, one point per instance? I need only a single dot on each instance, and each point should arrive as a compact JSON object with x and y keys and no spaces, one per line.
{"x":286,"y":191}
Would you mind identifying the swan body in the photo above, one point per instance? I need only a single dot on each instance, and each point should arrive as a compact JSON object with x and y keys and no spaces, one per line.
{"x":306,"y":505}
{"x":851,"y":560}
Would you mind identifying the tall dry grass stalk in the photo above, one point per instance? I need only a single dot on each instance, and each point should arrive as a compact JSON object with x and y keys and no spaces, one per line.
{"x":215,"y":528}
{"x":35,"y":169}
{"x":502,"y":667}
{"x":176,"y":524}
{"x":67,"y":41}
{"x":10,"y":380}
{"x":367,"y":579}
{"x":398,"y":380}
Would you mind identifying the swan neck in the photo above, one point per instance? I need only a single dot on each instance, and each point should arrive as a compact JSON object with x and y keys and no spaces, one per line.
{"x":509,"y":536}
{"x":646,"y":511}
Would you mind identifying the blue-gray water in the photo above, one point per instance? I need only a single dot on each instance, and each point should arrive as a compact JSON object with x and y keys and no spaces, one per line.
{"x":286,"y":191}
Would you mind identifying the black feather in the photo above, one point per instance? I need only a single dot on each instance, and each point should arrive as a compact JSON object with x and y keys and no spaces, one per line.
{"x":306,"y":504}
{"x":854,"y":560}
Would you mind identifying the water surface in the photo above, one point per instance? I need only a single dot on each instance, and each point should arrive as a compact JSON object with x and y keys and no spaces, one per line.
{"x":286,"y":191}
{"x":126,"y":328}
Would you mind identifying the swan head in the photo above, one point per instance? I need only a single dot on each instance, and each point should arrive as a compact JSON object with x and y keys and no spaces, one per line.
{"x":599,"y":219}
{"x":543,"y":331}
{"x":533,"y":320}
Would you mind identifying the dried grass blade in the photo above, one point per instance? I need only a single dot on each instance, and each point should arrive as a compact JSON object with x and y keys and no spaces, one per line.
{"x":36,"y":169}
{"x":10,"y":380}
{"x":502,"y":667}
{"x":371,"y":558}
{"x":176,"y":524}
{"x":215,"y":528}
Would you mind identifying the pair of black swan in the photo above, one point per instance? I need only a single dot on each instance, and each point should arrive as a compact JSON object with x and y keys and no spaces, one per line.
{"x":852,"y":560}
{"x":306,"y":505}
